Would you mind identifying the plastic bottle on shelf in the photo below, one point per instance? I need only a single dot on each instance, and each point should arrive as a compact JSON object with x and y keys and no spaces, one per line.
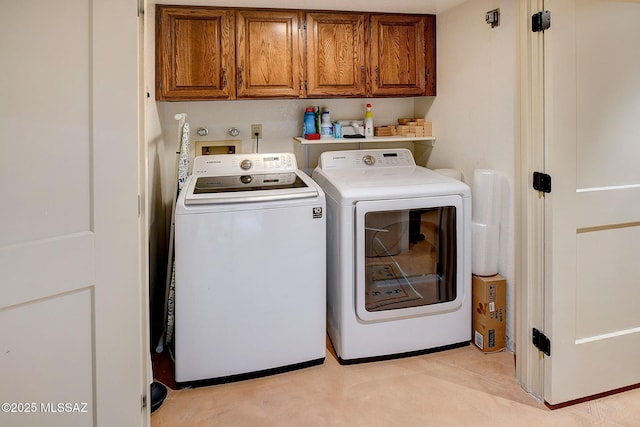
{"x":309,"y":121}
{"x":326,"y":128}
{"x":368,"y":122}
{"x":337,"y":130}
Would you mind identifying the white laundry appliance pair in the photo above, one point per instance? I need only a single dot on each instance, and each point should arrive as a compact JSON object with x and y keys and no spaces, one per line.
{"x":250,"y":286}
{"x":398,"y":255}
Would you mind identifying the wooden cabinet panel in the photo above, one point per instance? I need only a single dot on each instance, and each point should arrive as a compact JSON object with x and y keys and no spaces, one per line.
{"x":336,"y":54}
{"x":430,"y":55}
{"x":195,"y":54}
{"x":398,"y":55}
{"x":269,"y":54}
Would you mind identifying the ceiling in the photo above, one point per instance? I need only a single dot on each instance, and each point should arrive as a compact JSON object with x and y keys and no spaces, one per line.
{"x":398,"y":6}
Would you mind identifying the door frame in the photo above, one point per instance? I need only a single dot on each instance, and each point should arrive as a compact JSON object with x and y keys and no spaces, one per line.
{"x":530,"y":207}
{"x":144,"y":206}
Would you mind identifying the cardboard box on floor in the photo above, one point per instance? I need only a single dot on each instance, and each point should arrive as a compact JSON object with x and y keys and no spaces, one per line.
{"x":489,"y":312}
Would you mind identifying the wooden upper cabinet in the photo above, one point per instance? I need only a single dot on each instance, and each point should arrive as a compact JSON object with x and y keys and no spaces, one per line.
{"x":207,"y":53}
{"x":336,"y":54}
{"x":195,"y":53}
{"x":399,"y":55}
{"x":269,"y":54}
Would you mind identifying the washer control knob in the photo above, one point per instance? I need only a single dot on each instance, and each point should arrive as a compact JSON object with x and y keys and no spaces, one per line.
{"x":246,"y":179}
{"x":369,"y":160}
{"x":246,"y":164}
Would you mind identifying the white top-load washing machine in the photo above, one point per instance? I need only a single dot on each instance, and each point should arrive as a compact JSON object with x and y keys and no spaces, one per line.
{"x":250,"y":285}
{"x":398,"y":255}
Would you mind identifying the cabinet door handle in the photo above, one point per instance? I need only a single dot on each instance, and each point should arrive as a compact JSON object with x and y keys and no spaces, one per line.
{"x":362,"y":75}
{"x":240,"y":76}
{"x":378,"y":76}
{"x":224,"y":78}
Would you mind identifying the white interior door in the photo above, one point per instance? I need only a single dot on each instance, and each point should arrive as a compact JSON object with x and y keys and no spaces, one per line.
{"x":592,"y":226}
{"x":71,"y":351}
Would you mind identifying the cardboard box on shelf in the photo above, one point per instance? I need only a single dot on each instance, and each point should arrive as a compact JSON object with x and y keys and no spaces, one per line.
{"x":384,"y":131}
{"x":414,"y":127}
{"x":489,"y":312}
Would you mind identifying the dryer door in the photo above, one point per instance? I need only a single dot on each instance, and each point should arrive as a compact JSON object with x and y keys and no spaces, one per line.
{"x":408,"y":257}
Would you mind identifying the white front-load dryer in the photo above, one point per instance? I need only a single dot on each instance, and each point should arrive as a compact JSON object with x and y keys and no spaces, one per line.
{"x":250,"y":286}
{"x":398,"y":255}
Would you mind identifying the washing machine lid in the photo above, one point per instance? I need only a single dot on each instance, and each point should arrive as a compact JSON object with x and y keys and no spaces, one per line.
{"x":246,"y":178}
{"x":247,"y":188}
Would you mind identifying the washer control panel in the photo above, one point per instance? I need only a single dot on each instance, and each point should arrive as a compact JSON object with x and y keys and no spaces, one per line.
{"x":227,"y":164}
{"x":375,"y":158}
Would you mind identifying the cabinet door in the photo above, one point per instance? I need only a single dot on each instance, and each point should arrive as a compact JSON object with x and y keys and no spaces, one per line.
{"x":398,"y":55}
{"x":336,"y":54}
{"x":269,"y":51}
{"x":195,"y":54}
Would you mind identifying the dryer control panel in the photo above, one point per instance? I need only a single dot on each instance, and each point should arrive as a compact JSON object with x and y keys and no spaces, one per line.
{"x":231,"y":164}
{"x":356,"y":159}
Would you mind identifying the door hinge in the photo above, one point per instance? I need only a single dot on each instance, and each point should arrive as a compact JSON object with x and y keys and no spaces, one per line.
{"x":540,"y":21}
{"x":541,"y":342}
{"x":542,"y":182}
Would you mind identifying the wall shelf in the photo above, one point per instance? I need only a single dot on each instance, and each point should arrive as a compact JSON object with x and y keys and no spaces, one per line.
{"x":303,"y":141}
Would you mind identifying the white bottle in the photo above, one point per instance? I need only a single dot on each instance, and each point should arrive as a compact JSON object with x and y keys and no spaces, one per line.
{"x":368,"y":122}
{"x":326,"y":128}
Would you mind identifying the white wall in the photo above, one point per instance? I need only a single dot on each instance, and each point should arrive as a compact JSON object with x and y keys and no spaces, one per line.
{"x":475,"y":111}
{"x":281,"y":119}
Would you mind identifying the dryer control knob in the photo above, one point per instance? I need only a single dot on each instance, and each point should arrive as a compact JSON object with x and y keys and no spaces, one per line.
{"x":369,"y":160}
{"x":246,"y":164}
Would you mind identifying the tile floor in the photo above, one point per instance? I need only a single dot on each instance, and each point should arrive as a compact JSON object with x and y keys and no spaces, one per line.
{"x":459,"y":387}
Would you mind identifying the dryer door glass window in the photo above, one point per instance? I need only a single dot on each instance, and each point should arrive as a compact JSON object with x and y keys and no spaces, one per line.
{"x":410,"y":258}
